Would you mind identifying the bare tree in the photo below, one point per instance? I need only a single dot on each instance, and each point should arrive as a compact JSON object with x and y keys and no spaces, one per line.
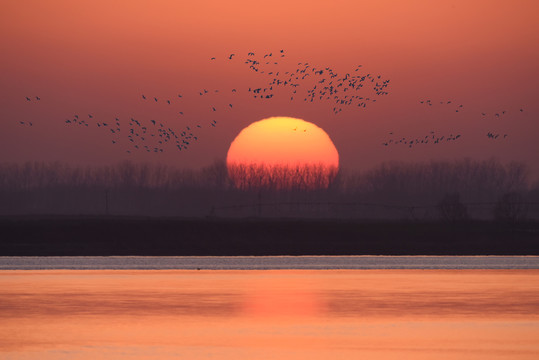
{"x":451,"y":209}
{"x":510,"y":209}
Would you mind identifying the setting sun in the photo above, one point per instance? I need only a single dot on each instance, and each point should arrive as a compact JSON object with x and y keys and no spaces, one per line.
{"x":282,"y":152}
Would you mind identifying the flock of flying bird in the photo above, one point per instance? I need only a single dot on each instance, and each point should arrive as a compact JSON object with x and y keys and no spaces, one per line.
{"x":321,"y":84}
{"x":149,"y":136}
{"x":431,"y":138}
{"x":305,"y":83}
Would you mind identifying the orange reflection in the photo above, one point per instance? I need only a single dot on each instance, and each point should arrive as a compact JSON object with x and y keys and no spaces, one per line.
{"x":282,"y":294}
{"x":380,"y":314}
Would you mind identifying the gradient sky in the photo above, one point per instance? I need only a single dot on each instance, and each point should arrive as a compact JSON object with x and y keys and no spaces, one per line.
{"x":98,"y":57}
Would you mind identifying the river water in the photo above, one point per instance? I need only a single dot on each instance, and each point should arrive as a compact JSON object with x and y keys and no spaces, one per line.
{"x":269,"y":314}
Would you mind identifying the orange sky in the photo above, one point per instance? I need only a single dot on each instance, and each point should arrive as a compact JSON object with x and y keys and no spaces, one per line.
{"x":98,"y":57}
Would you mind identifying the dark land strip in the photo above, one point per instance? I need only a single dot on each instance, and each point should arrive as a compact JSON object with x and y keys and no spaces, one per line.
{"x":107,"y":236}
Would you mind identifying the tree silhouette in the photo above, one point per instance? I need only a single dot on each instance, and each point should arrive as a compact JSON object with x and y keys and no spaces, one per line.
{"x":452,"y":209}
{"x":510,"y":209}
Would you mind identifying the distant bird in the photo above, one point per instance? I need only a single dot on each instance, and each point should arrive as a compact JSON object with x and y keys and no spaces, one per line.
{"x":90,"y":116}
{"x":521,"y":110}
{"x":230,"y":105}
{"x":168,"y":101}
{"x":230,"y":57}
{"x":213,"y":58}
{"x":38,"y":98}
{"x":144,"y":97}
{"x":28,"y":99}
{"x":155,"y":99}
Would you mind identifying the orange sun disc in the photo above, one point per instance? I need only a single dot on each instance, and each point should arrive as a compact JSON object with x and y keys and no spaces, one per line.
{"x":282,"y":153}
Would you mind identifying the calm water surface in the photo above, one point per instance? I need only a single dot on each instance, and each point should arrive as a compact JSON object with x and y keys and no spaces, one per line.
{"x":270,"y":314}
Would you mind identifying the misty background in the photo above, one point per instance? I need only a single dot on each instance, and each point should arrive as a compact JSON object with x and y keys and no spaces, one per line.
{"x":438,"y":190}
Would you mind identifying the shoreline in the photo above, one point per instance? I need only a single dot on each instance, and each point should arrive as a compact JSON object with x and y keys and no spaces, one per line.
{"x":269,"y":263}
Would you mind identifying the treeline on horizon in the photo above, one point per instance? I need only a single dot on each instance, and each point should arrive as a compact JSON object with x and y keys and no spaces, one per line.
{"x":447,"y":190}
